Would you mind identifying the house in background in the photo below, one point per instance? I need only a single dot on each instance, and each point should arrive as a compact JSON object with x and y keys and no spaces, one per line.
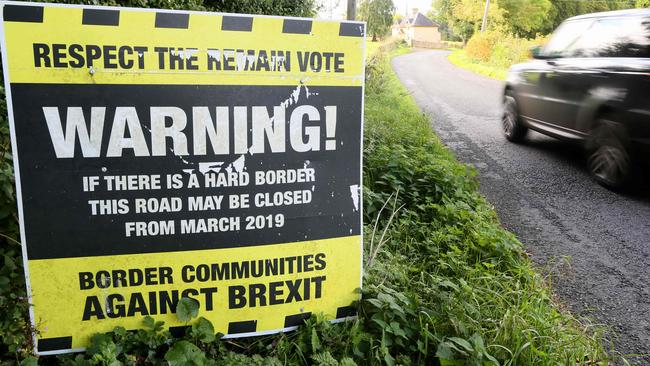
{"x":418,"y":31}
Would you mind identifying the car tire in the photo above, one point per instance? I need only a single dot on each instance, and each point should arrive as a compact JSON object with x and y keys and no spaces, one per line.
{"x":608,"y":158}
{"x":513,"y":130}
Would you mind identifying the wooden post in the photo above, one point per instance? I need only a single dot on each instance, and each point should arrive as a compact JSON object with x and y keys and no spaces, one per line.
{"x":485,"y":15}
{"x":352,"y":9}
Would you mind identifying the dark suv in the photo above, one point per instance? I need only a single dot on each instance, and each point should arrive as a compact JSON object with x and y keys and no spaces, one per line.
{"x":589,"y":84}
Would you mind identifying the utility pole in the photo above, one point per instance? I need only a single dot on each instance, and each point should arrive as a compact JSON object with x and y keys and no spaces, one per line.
{"x":485,"y":14}
{"x":352,"y":9}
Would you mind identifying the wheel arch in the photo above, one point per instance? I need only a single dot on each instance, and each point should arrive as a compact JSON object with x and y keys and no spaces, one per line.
{"x":508,"y":90}
{"x":593,"y":109}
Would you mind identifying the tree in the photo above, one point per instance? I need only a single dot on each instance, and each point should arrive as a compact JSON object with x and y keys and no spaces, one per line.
{"x":299,"y":8}
{"x":470,"y":13}
{"x":524,"y":18}
{"x":379,"y":16}
{"x":451,"y":28}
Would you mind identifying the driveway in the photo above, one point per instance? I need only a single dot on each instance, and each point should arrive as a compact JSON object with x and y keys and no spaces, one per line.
{"x":593,"y":243}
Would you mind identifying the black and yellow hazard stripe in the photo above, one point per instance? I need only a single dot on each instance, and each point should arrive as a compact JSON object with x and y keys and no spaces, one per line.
{"x":27,"y":24}
{"x":239,"y":328}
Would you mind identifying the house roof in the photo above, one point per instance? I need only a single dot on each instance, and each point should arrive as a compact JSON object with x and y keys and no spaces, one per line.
{"x":418,"y":20}
{"x":422,"y":21}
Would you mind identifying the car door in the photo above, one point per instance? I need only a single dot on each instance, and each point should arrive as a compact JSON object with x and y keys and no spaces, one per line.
{"x":596,"y":70}
{"x":530,"y":89}
{"x":586,"y":72}
{"x":567,"y":84}
{"x":567,"y":80}
{"x":542,"y":91}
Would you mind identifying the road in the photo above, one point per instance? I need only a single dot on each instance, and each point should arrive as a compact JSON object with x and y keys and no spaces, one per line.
{"x":593,"y":243}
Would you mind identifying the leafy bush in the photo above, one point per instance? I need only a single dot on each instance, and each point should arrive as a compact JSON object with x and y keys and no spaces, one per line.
{"x":500,"y":49}
{"x":15,"y":328}
{"x":496,"y":51}
{"x":480,"y":46}
{"x":510,"y":50}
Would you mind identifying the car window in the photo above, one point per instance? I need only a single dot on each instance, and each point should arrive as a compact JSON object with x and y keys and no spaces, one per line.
{"x":614,"y":37}
{"x":565,"y":36}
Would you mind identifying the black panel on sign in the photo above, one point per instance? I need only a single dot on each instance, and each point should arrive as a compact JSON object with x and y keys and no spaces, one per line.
{"x":351,"y":30}
{"x":296,"y":26}
{"x":101,"y":17}
{"x":17,"y":13}
{"x":172,"y":20}
{"x":295,"y":320}
{"x":53,"y":344}
{"x":242,"y":24}
{"x":179,"y":331}
{"x":57,"y":213}
{"x":248,"y":326}
{"x":345,"y":311}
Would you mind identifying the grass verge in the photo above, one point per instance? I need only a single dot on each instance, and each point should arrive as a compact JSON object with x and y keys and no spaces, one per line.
{"x":468,"y":280}
{"x":459,"y":58}
{"x":444,"y":283}
{"x":372,"y":47}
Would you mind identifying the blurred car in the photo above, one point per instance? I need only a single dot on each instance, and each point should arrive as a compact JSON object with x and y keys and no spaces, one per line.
{"x":590,"y":84}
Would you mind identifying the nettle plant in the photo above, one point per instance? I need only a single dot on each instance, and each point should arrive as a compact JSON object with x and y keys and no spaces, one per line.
{"x":153,"y":344}
{"x":197,"y":344}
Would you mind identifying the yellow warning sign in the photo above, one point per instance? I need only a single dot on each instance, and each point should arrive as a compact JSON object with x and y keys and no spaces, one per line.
{"x":163,"y":155}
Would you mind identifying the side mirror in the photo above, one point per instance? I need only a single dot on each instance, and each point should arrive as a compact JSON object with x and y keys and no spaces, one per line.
{"x":536,"y":52}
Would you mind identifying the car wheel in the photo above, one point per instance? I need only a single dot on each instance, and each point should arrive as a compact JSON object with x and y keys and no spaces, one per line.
{"x":513,"y":130}
{"x":607,"y":154}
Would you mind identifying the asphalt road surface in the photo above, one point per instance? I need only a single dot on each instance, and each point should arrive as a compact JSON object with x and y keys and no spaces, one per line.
{"x":594,"y":244}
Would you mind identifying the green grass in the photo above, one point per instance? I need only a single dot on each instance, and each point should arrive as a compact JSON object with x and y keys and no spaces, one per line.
{"x":372,"y":47}
{"x":469,"y":281}
{"x":459,"y":58}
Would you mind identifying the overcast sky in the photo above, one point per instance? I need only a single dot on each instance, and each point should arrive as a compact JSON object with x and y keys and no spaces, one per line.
{"x":336,"y":8}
